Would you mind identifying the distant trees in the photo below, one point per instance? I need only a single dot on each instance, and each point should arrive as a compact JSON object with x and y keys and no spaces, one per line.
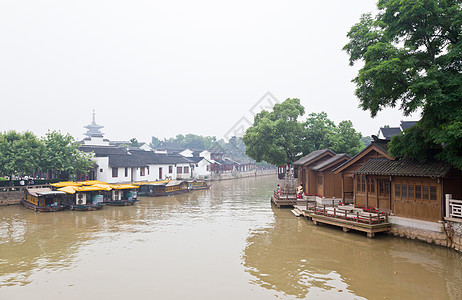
{"x":24,"y":154}
{"x":278,"y":137}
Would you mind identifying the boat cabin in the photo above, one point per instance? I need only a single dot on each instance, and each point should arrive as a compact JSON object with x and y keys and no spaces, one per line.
{"x":43,"y":199}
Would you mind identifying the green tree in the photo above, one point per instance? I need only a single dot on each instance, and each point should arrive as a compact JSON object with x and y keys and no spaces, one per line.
{"x":134,"y":142}
{"x":20,"y":154}
{"x":412,"y":54}
{"x":346,"y":139}
{"x":61,"y":154}
{"x":276,"y":136}
{"x":319,"y":131}
{"x":154,"y":142}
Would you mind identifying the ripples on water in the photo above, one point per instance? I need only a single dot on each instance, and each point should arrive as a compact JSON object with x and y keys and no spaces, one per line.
{"x":224,"y":243}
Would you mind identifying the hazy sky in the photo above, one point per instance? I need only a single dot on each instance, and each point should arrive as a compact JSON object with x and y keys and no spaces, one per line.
{"x":167,"y":67}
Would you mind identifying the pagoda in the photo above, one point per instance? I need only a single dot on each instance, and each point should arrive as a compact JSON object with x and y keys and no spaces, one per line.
{"x":94,"y":129}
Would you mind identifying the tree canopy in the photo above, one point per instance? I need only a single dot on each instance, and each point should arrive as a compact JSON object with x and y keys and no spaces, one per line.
{"x":412,"y":55}
{"x":25,"y":154}
{"x":278,"y":137}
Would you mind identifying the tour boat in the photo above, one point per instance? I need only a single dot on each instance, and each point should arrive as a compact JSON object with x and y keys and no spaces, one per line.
{"x":122,"y":195}
{"x":83,"y":198}
{"x":43,"y":199}
{"x":163,"y":188}
{"x":198,"y":185}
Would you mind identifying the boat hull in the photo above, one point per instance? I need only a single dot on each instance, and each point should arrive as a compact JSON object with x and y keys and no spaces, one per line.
{"x":84,"y":207}
{"x":42,"y":208}
{"x":159,"y":194}
{"x":120,"y":202}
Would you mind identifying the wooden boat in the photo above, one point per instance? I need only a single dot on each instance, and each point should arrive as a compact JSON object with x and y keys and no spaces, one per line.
{"x":198,"y":185}
{"x":163,"y":188}
{"x":84,"y":198}
{"x":122,"y":195}
{"x":43,"y":199}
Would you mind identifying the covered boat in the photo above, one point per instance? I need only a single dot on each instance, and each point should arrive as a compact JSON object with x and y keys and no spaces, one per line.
{"x":84,"y":197}
{"x":198,"y":185}
{"x":43,"y":199}
{"x":163,"y":188}
{"x":122,"y":195}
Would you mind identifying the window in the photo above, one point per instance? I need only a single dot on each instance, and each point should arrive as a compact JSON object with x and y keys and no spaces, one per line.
{"x":363,"y":184}
{"x":384,"y":188}
{"x":179,"y":170}
{"x":147,"y":168}
{"x":358,"y":183}
{"x":425,"y":192}
{"x":115,"y":172}
{"x":186,"y":170}
{"x":411,"y":192}
{"x":397,"y":190}
{"x":170,"y":169}
{"x":433,"y":193}
{"x":208,"y":167}
{"x":404,"y":191}
{"x":101,"y":170}
{"x":142,"y":171}
{"x":126,"y":172}
{"x":372,"y":185}
{"x":418,"y":192}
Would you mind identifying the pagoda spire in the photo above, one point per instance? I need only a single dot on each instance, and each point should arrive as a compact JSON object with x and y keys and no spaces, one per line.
{"x":93,"y":128}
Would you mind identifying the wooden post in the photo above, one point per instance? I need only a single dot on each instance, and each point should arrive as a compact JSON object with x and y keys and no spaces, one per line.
{"x":324,"y":209}
{"x":346,"y":215}
{"x":386,"y":217}
{"x":357,"y":216}
{"x":370,"y":219}
{"x":335,"y":214}
{"x":343,"y":188}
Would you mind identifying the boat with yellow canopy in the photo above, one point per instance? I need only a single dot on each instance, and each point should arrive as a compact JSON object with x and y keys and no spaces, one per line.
{"x":122,"y":195}
{"x":85,"y":197}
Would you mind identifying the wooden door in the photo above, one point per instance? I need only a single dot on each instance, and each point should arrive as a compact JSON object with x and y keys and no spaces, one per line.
{"x":160,"y":173}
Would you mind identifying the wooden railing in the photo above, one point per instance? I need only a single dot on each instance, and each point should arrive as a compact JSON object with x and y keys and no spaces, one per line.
{"x":453,"y":207}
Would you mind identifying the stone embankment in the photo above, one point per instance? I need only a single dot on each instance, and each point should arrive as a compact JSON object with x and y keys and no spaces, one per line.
{"x":446,"y":233}
{"x":11,"y":195}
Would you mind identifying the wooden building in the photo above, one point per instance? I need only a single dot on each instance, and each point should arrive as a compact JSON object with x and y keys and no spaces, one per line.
{"x":315,"y":173}
{"x":350,"y":191}
{"x":407,"y":187}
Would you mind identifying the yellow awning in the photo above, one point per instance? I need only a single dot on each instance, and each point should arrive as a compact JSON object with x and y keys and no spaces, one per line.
{"x":123,"y":186}
{"x":65,"y":183}
{"x":92,"y":182}
{"x":68,"y":189}
{"x":90,"y":188}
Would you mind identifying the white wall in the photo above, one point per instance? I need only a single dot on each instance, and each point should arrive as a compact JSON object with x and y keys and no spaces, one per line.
{"x":205,"y":154}
{"x":187,"y":153}
{"x":96,"y":141}
{"x":200,"y":170}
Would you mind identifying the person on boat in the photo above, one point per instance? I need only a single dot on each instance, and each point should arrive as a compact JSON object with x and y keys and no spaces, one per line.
{"x":300,"y":191}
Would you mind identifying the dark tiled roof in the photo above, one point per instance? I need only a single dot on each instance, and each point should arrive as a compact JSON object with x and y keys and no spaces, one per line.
{"x":224,"y":162}
{"x":102,"y":150}
{"x":389,"y":132}
{"x":195,"y":159}
{"x":404,"y":167}
{"x":379,"y":144}
{"x":151,"y":158}
{"x":407,"y":124}
{"x":333,"y":159}
{"x":312,"y":156}
{"x":125,"y":160}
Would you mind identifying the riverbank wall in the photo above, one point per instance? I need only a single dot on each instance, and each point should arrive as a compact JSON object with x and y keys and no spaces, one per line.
{"x":11,"y":197}
{"x":446,"y":233}
{"x":238,"y":175}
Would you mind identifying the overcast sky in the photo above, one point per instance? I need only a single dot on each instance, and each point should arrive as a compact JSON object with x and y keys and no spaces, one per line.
{"x":167,"y":67}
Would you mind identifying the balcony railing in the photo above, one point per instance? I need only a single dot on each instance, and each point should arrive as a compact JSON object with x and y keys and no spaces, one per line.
{"x":453,"y":207}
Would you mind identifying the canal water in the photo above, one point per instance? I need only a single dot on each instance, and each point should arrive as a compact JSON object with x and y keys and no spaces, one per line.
{"x":224,"y":243}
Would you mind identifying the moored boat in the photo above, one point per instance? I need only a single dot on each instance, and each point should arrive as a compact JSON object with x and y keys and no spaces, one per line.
{"x":43,"y":199}
{"x":198,"y":185}
{"x":163,"y":188}
{"x":82,"y":198}
{"x":122,"y":195}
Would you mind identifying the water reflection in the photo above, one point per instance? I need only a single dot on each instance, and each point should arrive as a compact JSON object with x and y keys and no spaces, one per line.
{"x":223,"y":243}
{"x":296,"y":257}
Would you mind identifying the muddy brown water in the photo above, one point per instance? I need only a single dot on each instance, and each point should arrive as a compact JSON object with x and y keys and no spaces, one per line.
{"x":224,"y":243}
